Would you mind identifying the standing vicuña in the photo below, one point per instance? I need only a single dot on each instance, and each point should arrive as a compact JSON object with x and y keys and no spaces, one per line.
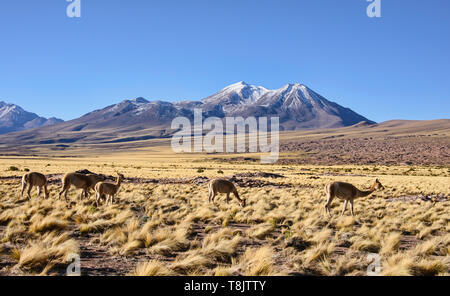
{"x":85,"y":182}
{"x":34,"y":179}
{"x":347,"y":192}
{"x":107,"y":189}
{"x":223,"y":186}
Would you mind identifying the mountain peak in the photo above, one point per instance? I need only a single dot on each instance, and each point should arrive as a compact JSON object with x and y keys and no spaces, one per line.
{"x":239,"y":93}
{"x":140,"y":100}
{"x":295,"y":86}
{"x":14,"y":118}
{"x":242,"y":85}
{"x":237,"y":86}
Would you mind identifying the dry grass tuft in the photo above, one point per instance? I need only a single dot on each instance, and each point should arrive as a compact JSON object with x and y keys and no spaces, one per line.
{"x":261,"y":231}
{"x":257,"y":262}
{"x":223,"y":250}
{"x":48,"y":224}
{"x":390,"y":243}
{"x":397,"y":265}
{"x":427,"y":267}
{"x":51,"y":249}
{"x":190,"y":265}
{"x":151,"y":268}
{"x":318,"y":252}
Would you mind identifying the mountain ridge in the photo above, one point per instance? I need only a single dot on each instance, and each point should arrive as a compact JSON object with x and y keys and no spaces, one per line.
{"x":14,"y":118}
{"x":297,"y":106}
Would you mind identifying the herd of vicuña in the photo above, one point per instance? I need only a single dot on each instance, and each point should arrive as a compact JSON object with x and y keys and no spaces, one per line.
{"x":85,"y":182}
{"x":108,"y":190}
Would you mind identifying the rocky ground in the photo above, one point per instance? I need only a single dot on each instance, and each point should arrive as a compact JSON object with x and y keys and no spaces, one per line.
{"x":407,"y":150}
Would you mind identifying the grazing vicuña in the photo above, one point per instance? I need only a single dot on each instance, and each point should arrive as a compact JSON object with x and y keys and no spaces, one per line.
{"x":223,"y":186}
{"x":347,"y":192}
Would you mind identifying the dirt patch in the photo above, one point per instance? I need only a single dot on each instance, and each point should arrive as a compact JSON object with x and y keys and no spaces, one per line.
{"x":259,"y":175}
{"x":194,"y":180}
{"x":97,"y":261}
{"x":426,"y":198}
{"x":405,"y":150}
{"x":241,"y":181}
{"x":248,"y":182}
{"x":341,"y":175}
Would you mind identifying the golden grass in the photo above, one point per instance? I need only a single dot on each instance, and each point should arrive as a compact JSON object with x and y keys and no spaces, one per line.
{"x":48,"y":224}
{"x":151,"y":268}
{"x":282,"y":230}
{"x":222,"y":250}
{"x":51,"y":249}
{"x":390,"y":243}
{"x":191,"y":263}
{"x":257,"y":262}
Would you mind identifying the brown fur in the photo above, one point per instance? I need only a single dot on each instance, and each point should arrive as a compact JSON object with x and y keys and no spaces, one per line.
{"x":223,"y":186}
{"x":85,"y":182}
{"x":347,"y":192}
{"x":107,"y":189}
{"x":34,"y":179}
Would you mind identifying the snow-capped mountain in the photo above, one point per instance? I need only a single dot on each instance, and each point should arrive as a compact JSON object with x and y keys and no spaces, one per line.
{"x":14,"y":118}
{"x":297,"y":106}
{"x":239,"y":93}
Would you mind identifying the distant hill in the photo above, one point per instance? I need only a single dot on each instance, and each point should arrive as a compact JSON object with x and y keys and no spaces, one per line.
{"x":14,"y":118}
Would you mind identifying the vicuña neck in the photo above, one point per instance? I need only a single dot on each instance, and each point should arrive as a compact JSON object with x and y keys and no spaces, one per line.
{"x":365,"y":193}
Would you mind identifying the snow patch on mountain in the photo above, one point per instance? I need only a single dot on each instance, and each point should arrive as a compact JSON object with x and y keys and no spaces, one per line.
{"x":14,"y":118}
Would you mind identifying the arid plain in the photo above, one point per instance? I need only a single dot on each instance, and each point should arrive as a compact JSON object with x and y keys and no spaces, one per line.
{"x":162,"y":224}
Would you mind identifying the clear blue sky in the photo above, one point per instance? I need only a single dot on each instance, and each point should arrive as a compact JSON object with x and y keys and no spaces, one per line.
{"x":395,"y":67}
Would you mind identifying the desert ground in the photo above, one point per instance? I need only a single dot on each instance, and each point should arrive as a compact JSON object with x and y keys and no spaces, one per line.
{"x":162,"y":224}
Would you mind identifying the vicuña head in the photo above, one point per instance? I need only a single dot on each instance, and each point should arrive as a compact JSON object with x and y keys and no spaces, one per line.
{"x":377,"y":185}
